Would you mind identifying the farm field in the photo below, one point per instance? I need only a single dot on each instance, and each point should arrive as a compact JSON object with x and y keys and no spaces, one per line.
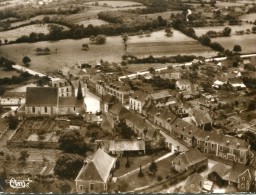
{"x":158,"y":44}
{"x":165,"y":15}
{"x":94,"y":22}
{"x":116,"y":3}
{"x":26,"y":30}
{"x":203,"y":30}
{"x":40,"y":17}
{"x":247,"y":42}
{"x":248,"y":17}
{"x":69,"y":52}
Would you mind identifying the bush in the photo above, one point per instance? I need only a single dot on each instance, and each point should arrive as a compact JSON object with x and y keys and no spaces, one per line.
{"x":159,"y":178}
{"x":13,"y":122}
{"x":100,"y":39}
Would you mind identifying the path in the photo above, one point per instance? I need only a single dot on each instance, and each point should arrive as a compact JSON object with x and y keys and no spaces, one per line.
{"x":144,"y":166}
{"x":134,"y":75}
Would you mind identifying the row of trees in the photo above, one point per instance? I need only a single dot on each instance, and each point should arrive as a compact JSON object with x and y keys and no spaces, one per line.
{"x":151,"y":59}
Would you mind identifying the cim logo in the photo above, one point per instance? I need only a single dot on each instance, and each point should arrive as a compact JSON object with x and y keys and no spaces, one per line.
{"x":19,"y":183}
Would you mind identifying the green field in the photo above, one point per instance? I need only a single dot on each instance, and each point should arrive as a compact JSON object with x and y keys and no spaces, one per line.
{"x":70,"y":51}
{"x":247,"y":42}
{"x":116,"y":3}
{"x":158,"y":45}
{"x":12,"y":35}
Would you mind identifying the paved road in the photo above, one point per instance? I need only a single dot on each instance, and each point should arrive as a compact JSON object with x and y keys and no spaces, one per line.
{"x":92,"y":102}
{"x":175,"y":144}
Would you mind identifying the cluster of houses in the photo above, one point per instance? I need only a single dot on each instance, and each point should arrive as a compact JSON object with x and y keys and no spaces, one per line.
{"x":148,"y":113}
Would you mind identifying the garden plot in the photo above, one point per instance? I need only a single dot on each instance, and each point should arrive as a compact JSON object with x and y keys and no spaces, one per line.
{"x":37,"y":129}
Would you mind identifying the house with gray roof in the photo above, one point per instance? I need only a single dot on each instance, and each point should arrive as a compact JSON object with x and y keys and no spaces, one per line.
{"x":45,"y":101}
{"x":191,"y":161}
{"x":96,"y":173}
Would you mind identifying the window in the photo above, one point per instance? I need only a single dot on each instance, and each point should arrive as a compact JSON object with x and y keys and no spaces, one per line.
{"x":91,"y":186}
{"x":33,"y":109}
{"x":205,"y":150}
{"x":212,"y":145}
{"x":45,"y":109}
{"x":243,"y":178}
{"x":242,"y":185}
{"x":81,"y":187}
{"x":221,"y":148}
{"x":105,"y":186}
{"x":74,"y":108}
{"x":198,"y":141}
{"x":67,"y":89}
{"x":206,"y":144}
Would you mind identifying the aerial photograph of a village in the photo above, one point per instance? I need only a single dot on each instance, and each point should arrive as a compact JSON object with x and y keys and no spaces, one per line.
{"x":127,"y":96}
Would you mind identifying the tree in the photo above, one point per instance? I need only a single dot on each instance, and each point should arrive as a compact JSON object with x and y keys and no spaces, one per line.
{"x":205,"y":40}
{"x":85,"y":47}
{"x":100,"y":39}
{"x":61,"y":186}
{"x":23,"y":156}
{"x":68,"y":165}
{"x":153,"y":167}
{"x":46,"y":51}
{"x":127,"y":165}
{"x":125,"y":38}
{"x":122,"y":186}
{"x":237,"y":48}
{"x":140,"y":174}
{"x":254,"y":29}
{"x":26,"y":60}
{"x":125,"y":131}
{"x":13,"y":122}
{"x":72,"y":142}
{"x":3,"y":178}
{"x":168,"y":32}
{"x":92,"y":38}
{"x":226,"y":31}
{"x":79,"y":92}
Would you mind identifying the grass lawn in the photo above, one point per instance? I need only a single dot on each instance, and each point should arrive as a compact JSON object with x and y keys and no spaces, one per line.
{"x":135,"y":162}
{"x":164,"y":169}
